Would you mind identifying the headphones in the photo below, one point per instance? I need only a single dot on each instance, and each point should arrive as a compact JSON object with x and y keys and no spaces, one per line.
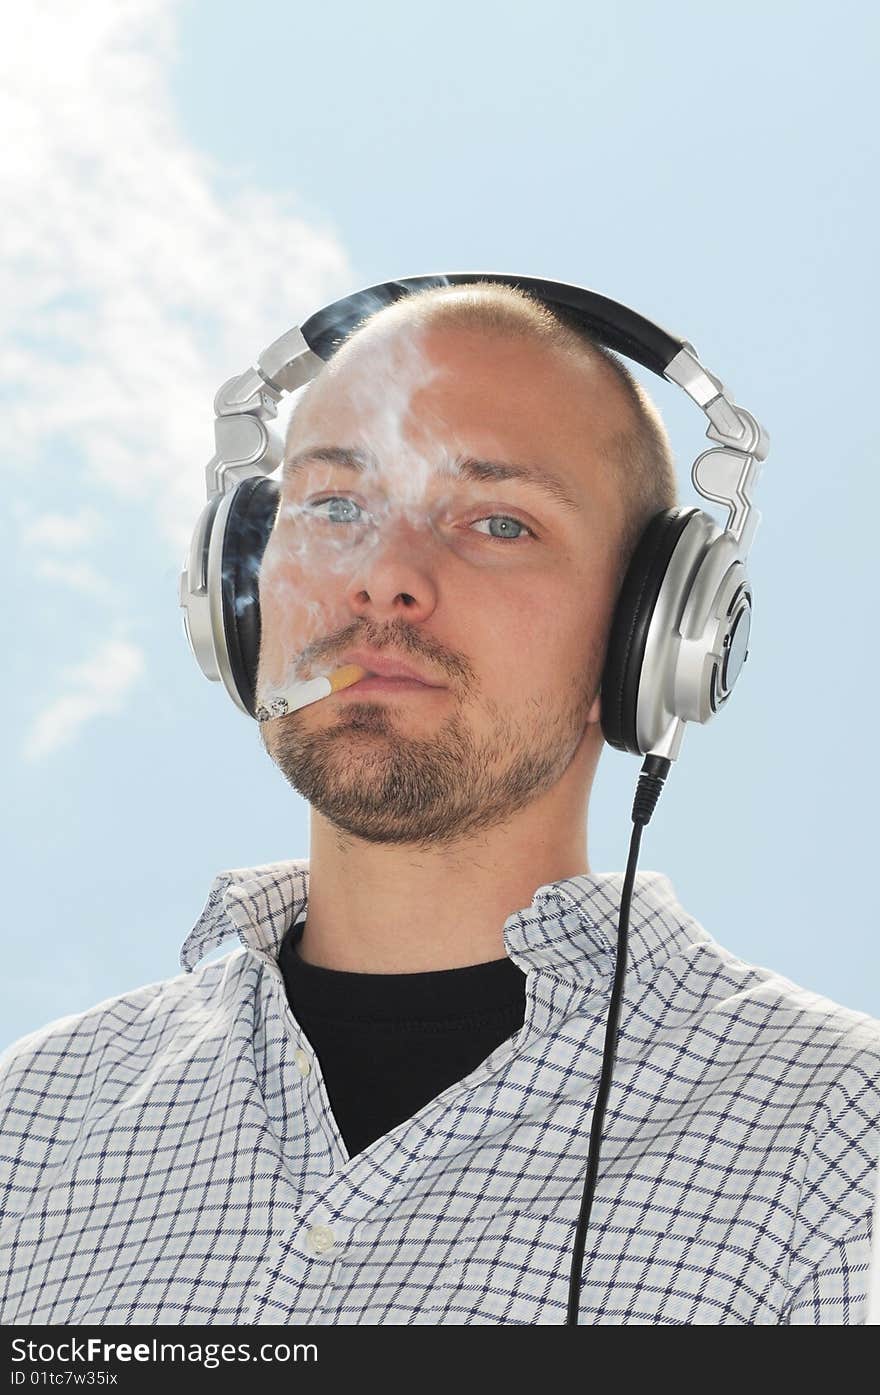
{"x":680,"y":631}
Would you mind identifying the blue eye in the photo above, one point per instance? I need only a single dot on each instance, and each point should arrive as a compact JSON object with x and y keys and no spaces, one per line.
{"x":344,"y":499}
{"x":506,"y":518}
{"x":332,"y":499}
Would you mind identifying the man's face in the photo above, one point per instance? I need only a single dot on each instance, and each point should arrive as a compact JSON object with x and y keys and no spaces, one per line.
{"x":493,"y":589}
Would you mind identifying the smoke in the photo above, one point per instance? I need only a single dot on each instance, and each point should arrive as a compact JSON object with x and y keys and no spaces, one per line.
{"x":331,"y":520}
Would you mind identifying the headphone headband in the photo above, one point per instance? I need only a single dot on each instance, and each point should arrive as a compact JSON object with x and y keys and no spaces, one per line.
{"x":617,"y":326}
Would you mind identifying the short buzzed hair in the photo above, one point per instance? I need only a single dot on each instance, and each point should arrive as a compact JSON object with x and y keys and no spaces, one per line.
{"x":639,"y":453}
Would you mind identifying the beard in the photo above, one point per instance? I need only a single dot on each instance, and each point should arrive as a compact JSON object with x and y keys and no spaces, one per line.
{"x":368,"y":778}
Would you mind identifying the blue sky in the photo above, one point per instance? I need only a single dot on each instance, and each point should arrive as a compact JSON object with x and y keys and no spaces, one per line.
{"x":185,"y":186}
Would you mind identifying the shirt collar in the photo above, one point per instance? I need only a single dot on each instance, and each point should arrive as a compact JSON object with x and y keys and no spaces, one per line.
{"x":569,"y":930}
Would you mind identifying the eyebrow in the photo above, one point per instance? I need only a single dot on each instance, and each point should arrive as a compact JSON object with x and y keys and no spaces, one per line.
{"x":464,"y":467}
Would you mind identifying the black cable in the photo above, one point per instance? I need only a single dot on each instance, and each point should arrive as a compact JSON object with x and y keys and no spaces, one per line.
{"x":653,"y":773}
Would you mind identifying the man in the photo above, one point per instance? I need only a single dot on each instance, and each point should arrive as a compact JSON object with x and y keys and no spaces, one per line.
{"x":377,"y":1109}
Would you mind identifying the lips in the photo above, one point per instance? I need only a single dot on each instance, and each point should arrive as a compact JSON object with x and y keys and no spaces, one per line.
{"x":380,"y":666}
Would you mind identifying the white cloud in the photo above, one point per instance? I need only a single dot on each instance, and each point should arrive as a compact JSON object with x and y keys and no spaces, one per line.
{"x":97,"y":687}
{"x":43,"y":535}
{"x":133,"y":287}
{"x":80,"y":576}
{"x":62,"y":531}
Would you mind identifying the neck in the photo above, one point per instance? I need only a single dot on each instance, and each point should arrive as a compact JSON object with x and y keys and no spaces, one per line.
{"x":387,"y":908}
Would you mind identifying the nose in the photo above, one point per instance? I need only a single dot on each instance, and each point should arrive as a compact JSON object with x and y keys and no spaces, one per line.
{"x":397,"y":571}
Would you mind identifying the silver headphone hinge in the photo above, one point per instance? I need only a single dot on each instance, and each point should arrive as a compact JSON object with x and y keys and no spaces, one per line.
{"x":247,"y":392}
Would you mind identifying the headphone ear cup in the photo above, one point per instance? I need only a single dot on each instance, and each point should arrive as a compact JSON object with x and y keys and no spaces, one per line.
{"x":249,"y":522}
{"x":628,"y":635}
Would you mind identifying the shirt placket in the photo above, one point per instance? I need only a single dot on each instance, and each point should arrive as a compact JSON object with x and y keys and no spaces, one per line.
{"x":299,"y":1281}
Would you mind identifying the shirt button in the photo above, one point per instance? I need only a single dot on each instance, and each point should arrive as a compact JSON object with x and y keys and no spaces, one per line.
{"x":320,"y":1239}
{"x":302,"y":1061}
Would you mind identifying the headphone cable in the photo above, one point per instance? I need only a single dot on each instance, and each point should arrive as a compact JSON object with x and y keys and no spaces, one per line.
{"x":653,"y":773}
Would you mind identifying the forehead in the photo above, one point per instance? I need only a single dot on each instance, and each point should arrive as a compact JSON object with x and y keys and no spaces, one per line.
{"x":447,"y":395}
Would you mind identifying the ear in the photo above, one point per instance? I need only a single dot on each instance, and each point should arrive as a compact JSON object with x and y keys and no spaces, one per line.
{"x":595,"y":713}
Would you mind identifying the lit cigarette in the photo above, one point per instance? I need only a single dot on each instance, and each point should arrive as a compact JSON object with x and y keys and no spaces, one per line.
{"x":301,"y":694}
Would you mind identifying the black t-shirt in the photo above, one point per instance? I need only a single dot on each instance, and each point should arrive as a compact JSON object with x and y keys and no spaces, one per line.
{"x":389,"y":1043}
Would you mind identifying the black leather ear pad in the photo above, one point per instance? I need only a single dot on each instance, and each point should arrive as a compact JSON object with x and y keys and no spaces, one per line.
{"x":248,"y":525}
{"x":629,"y":627}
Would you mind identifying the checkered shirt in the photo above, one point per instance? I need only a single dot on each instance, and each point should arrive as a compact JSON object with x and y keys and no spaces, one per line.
{"x":170,"y":1156}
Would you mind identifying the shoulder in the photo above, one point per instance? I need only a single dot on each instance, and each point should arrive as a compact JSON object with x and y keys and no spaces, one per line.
{"x":797,"y":1059}
{"x":57,"y":1080}
{"x":128,"y":1025}
{"x":813,"y":1063}
{"x":830,"y":1054}
{"x":825,"y":1039}
{"x":760,"y":1007}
